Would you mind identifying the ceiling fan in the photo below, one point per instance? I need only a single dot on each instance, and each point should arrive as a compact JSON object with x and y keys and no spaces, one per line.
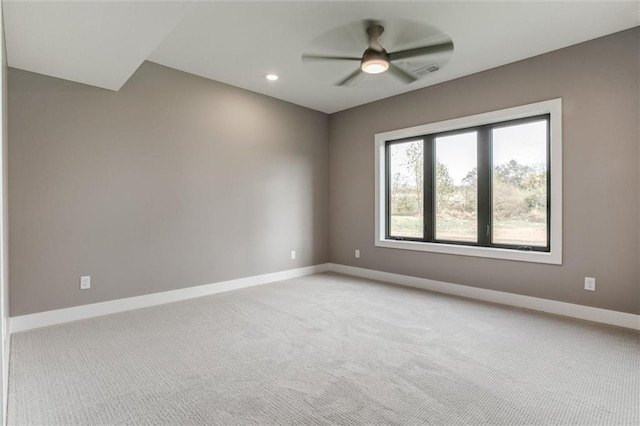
{"x":376,"y":60}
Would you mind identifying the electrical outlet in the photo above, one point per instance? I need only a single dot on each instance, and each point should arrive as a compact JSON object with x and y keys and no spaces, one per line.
{"x":85,"y":282}
{"x":293,"y":255}
{"x":590,"y":283}
{"x":357,"y":254}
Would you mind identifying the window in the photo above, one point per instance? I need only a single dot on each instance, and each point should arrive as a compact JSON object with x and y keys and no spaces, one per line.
{"x":487,"y":185}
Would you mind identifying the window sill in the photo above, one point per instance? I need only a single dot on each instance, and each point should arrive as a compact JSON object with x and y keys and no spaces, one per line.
{"x":554,"y":257}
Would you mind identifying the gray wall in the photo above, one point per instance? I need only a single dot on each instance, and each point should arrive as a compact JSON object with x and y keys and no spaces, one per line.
{"x":178,"y":181}
{"x":4,"y":240}
{"x":174,"y":181}
{"x":599,"y":84}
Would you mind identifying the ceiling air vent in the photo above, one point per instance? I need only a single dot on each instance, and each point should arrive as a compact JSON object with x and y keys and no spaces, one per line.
{"x":426,"y":70}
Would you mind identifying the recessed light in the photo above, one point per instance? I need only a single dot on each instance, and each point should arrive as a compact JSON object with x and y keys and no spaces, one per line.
{"x":272,"y":77}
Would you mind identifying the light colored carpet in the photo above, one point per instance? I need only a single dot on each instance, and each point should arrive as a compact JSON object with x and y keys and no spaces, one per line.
{"x":326,"y":349}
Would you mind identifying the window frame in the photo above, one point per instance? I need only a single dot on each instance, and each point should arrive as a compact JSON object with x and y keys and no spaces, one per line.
{"x":552,"y":254}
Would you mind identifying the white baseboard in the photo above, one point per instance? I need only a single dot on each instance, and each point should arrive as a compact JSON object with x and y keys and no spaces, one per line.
{"x":620,"y":319}
{"x":44,"y":319}
{"x":58,"y":316}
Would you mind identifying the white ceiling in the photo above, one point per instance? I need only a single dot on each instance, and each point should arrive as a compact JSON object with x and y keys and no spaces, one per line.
{"x":97,"y":43}
{"x":238,"y":43}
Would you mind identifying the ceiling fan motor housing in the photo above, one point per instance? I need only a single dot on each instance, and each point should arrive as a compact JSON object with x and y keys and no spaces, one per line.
{"x":370,"y":54}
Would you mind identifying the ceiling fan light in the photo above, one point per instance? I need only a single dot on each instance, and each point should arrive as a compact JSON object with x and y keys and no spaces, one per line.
{"x":374,"y":66}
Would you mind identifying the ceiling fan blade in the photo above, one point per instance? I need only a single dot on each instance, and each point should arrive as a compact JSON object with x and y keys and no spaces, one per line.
{"x":329,"y":58}
{"x":349,"y":78}
{"x":401,"y":74}
{"x":421,"y":51}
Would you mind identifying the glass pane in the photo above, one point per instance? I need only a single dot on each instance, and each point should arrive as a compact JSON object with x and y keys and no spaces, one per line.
{"x":456,"y":177}
{"x":520,"y":184}
{"x":406,"y":168}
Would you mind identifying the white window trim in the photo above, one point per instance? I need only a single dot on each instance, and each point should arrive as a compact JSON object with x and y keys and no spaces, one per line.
{"x":552,"y":107}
